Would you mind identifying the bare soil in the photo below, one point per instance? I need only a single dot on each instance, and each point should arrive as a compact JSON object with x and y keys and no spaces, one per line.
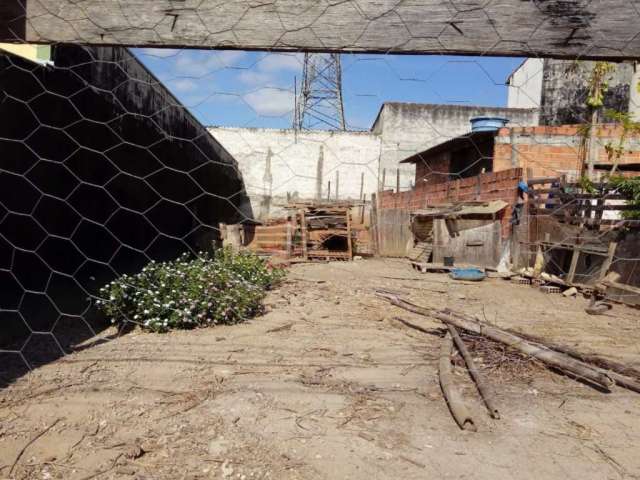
{"x":327,"y":385}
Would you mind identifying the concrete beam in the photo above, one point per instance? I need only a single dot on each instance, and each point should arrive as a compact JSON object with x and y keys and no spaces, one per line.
{"x":586,"y":29}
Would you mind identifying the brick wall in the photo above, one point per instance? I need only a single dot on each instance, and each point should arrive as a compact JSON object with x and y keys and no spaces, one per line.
{"x":435,"y":170}
{"x":550,"y":151}
{"x":501,"y":185}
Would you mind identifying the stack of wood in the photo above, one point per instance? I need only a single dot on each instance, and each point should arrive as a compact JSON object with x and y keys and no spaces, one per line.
{"x":323,"y":229}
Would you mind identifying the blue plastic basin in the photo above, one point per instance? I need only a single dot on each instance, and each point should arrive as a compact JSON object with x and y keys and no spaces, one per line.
{"x":470,"y":274}
{"x":487,"y":124}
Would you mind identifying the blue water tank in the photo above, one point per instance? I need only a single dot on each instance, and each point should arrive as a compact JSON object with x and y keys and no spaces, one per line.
{"x":487,"y":124}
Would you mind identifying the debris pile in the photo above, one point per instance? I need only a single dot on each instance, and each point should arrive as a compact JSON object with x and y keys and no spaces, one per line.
{"x":592,"y":370}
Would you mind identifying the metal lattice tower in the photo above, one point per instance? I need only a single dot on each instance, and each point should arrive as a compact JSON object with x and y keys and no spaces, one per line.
{"x":319,"y":104}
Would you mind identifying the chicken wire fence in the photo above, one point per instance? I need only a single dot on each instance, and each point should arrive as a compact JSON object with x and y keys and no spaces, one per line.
{"x":113,"y":157}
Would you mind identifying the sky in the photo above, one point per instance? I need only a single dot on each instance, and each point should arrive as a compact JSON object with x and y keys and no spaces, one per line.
{"x":256,"y":89}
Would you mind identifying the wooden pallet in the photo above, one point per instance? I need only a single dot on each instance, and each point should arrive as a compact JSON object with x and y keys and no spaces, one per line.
{"x":421,"y":252}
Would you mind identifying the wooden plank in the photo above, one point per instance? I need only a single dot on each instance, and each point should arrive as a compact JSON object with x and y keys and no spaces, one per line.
{"x":573,"y":266}
{"x":289,"y":238}
{"x":604,"y":29}
{"x":303,"y":233}
{"x":542,"y":180}
{"x":374,"y":219}
{"x":622,"y":286}
{"x":609,"y":260}
{"x":576,"y":206}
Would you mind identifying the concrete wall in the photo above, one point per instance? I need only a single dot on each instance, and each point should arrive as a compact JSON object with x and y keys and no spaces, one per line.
{"x":101,"y":171}
{"x":281,"y":164}
{"x":407,"y":128}
{"x":525,"y":84}
{"x":565,"y":91}
{"x":560,"y":89}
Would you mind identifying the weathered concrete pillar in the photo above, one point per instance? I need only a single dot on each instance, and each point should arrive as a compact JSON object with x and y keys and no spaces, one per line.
{"x":267,"y":187}
{"x":268,"y":177}
{"x":319,"y":169}
{"x":514,"y":150}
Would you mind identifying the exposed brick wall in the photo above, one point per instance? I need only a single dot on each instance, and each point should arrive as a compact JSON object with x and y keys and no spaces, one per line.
{"x":434,"y":170}
{"x":485,"y":187}
{"x":550,"y":151}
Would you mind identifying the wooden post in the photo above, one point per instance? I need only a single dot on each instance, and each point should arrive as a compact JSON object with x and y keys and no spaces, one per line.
{"x":592,"y":152}
{"x":574,"y":265}
{"x":374,"y":224}
{"x":337,"y":183}
{"x":349,"y":246}
{"x":397,"y":180}
{"x":303,"y":234}
{"x":608,"y":261}
{"x":289,"y":238}
{"x":384,"y":178}
{"x":364,"y":206}
{"x":361,"y":185}
{"x":329,"y":190}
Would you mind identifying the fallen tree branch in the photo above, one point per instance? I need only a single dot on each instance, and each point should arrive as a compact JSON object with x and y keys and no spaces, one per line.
{"x":485,"y":390}
{"x":614,"y":370}
{"x":550,"y":357}
{"x":29,"y":443}
{"x":595,"y":359}
{"x":453,"y":397}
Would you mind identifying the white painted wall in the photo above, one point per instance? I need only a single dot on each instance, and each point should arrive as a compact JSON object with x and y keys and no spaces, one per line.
{"x":279,"y":163}
{"x":525,"y":84}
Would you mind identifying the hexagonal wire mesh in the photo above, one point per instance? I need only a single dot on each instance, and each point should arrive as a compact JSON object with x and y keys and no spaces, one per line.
{"x":107,"y":164}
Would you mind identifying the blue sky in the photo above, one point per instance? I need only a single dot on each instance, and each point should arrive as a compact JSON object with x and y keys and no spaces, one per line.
{"x":256,"y":89}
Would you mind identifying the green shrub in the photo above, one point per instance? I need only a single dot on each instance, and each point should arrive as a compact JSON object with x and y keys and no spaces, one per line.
{"x":191,"y":292}
{"x":629,"y":187}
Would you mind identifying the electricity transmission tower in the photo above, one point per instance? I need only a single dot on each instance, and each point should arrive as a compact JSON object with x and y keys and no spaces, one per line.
{"x":319,"y":104}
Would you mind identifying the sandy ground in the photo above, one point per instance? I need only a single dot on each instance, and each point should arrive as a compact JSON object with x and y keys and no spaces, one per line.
{"x":327,"y":385}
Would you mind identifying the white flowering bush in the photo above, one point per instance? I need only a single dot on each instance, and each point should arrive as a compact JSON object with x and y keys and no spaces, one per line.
{"x":207,"y":290}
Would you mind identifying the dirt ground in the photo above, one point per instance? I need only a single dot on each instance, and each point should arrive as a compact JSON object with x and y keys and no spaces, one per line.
{"x":327,"y":385}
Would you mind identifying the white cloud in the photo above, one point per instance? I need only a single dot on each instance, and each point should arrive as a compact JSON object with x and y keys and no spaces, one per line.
{"x":272,"y":70}
{"x":270,"y":102}
{"x":199,"y":63}
{"x":182,"y":85}
{"x":159,"y":52}
{"x":252,"y":77}
{"x":229,"y":57}
{"x":277,"y":62}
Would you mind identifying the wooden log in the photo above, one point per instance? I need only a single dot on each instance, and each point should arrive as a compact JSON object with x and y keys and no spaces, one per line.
{"x":619,"y":372}
{"x":485,"y":390}
{"x":623,"y":375}
{"x":605,"y":29}
{"x":458,"y":409}
{"x":550,"y":357}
